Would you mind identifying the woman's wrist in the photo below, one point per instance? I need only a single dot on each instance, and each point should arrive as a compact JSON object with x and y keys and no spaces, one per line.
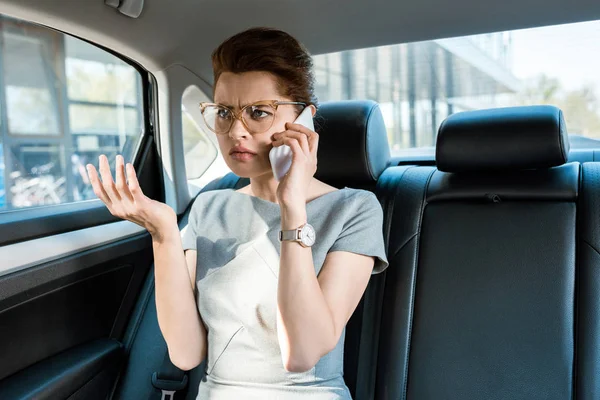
{"x":292,"y":217}
{"x":165,"y":234}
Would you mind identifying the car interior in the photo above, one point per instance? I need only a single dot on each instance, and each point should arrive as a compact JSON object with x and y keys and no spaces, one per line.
{"x":490,"y":190}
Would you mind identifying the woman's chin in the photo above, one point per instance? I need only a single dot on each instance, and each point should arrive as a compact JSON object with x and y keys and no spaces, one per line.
{"x":252,"y":173}
{"x":244,"y":171}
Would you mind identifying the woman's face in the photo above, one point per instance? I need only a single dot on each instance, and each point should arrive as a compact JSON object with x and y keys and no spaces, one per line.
{"x":237,"y":91}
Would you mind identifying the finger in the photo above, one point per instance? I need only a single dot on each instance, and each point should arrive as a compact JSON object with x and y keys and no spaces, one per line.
{"x":295,"y":146}
{"x":107,"y":180}
{"x":283,"y":141}
{"x":121,"y":182}
{"x":313,"y":137}
{"x":134,"y":185}
{"x":301,"y":138}
{"x":313,"y":144}
{"x":299,"y":128}
{"x":97,"y":185}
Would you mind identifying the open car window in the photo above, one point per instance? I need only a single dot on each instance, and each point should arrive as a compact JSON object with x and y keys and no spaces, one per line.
{"x":419,"y":84}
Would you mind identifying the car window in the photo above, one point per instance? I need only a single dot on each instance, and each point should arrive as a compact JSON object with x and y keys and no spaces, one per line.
{"x":198,"y":149}
{"x":203,"y":159}
{"x":419,"y":84}
{"x":63,"y":102}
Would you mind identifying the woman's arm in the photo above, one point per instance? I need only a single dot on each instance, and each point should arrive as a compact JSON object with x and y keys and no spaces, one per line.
{"x":312,"y":312}
{"x":177,"y":312}
{"x":178,"y":316}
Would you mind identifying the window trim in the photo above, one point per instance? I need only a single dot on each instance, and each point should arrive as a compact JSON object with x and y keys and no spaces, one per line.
{"x":49,"y":249}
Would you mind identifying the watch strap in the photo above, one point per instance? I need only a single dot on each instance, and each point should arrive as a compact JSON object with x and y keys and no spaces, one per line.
{"x":292,"y":234}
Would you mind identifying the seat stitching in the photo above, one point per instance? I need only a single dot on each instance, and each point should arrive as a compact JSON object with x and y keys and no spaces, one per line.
{"x":591,"y":247}
{"x":405,"y":243}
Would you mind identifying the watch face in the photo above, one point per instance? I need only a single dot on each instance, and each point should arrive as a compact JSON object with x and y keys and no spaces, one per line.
{"x":307,"y":235}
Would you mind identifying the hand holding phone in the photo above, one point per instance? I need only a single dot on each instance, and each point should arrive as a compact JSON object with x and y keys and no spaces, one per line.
{"x":281,"y":157}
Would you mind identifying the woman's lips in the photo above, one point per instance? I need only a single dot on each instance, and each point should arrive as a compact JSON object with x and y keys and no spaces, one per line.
{"x":242,"y":156}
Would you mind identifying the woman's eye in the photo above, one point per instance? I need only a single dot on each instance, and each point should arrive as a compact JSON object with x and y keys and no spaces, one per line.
{"x":223,"y":114}
{"x":257,"y":113}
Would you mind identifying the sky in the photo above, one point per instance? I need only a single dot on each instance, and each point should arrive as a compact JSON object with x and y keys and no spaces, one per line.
{"x":570,"y":53}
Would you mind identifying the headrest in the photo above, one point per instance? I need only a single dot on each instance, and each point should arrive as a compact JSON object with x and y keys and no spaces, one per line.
{"x":553,"y":184}
{"x":512,"y":138}
{"x":353,"y":144}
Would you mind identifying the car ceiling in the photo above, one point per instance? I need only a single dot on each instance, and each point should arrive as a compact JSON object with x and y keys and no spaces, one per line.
{"x":186,"y":31}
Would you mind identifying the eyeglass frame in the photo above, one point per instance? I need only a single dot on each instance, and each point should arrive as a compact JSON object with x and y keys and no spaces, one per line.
{"x":273,"y":103}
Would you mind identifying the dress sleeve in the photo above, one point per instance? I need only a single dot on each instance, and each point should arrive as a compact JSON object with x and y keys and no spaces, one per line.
{"x":190,"y":233}
{"x":362,"y":233}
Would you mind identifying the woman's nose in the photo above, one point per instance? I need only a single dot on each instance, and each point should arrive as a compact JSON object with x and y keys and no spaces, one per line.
{"x":238,"y":130}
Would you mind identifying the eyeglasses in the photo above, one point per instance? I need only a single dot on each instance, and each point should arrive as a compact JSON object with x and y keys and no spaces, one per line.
{"x":257,"y":117}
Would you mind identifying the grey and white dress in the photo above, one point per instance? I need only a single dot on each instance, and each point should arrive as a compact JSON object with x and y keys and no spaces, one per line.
{"x":235,"y":235}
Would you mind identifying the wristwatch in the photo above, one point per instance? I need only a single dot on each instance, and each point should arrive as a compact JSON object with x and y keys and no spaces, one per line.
{"x":305,"y":235}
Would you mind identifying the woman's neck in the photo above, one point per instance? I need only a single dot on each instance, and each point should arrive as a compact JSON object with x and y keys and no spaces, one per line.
{"x":263,"y":187}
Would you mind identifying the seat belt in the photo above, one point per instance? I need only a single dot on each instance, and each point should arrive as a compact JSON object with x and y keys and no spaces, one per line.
{"x":169,"y":379}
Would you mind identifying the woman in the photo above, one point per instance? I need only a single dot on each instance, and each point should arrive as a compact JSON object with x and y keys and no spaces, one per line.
{"x":269,"y":316}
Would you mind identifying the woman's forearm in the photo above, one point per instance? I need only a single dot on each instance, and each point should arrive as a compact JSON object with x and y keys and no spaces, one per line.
{"x":305,"y":325}
{"x":178,"y":316}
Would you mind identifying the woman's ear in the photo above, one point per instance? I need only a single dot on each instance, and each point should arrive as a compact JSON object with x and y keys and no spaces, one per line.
{"x":313,"y":109}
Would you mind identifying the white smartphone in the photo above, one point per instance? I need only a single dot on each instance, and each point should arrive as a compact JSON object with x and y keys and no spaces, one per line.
{"x":281,"y":157}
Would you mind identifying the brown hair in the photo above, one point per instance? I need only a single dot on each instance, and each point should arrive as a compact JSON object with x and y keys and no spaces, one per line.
{"x":269,"y":50}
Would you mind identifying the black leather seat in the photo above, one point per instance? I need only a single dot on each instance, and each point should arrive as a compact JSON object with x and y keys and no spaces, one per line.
{"x":493,"y":286}
{"x":354,"y":152}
